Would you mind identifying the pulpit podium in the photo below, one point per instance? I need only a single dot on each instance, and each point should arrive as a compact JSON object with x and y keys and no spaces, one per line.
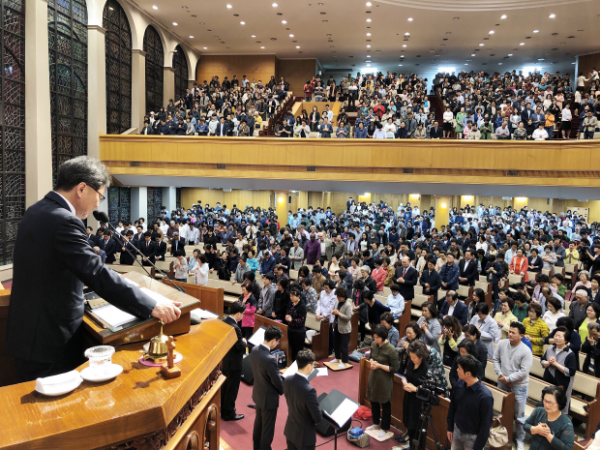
{"x":140,"y":409}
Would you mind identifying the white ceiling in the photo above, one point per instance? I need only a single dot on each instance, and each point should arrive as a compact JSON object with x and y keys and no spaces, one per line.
{"x":464,"y":23}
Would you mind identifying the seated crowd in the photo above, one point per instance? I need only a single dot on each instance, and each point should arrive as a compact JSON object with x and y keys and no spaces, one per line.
{"x":345,"y":262}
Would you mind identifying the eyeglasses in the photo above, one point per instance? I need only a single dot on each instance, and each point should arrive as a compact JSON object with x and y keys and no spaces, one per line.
{"x":102,"y":197}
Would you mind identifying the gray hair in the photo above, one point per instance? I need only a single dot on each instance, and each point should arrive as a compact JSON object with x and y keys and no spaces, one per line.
{"x":82,"y":169}
{"x":593,"y":326}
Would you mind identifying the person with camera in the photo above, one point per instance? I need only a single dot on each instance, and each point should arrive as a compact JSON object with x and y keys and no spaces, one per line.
{"x":471,"y":408}
{"x":416,"y":371}
{"x":384,"y":364}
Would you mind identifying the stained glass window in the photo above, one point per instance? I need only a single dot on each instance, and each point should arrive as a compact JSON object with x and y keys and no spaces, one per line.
{"x":154,"y":201}
{"x":67,"y":47}
{"x":181,"y":73}
{"x":12,"y":124}
{"x":118,"y":68}
{"x":119,"y":204}
{"x":155,"y":60}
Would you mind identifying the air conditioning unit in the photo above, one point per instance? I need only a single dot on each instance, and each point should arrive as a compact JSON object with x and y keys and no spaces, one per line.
{"x":507,"y":198}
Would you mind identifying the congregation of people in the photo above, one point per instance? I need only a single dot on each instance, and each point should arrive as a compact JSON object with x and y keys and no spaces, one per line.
{"x":344,"y":261}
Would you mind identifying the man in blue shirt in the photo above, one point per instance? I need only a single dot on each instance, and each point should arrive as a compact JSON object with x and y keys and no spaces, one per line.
{"x":325,"y":128}
{"x":471,"y":408}
{"x":267,"y":263}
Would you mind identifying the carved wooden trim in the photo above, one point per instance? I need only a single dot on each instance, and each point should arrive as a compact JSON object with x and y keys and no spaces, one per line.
{"x":160,"y":438}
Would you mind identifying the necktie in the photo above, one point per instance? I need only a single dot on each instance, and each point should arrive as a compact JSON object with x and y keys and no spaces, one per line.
{"x":404,"y":272}
{"x":147,"y":244}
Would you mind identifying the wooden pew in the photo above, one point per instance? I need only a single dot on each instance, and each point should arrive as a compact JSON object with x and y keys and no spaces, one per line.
{"x":403,"y":320}
{"x":262,"y":321}
{"x":504,"y":401}
{"x":320,"y":341}
{"x":487,"y":288}
{"x":465,"y":293}
{"x":211,"y":299}
{"x":232,"y":291}
{"x":417,"y":302}
{"x":353,"y":344}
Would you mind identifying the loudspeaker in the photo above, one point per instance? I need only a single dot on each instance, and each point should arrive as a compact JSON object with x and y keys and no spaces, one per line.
{"x":247,"y":375}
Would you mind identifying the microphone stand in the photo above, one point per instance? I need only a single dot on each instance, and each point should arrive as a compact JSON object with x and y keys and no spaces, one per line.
{"x":118,"y":235}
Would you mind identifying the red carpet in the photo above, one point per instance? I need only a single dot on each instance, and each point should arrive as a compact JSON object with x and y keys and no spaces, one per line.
{"x":239,"y":434}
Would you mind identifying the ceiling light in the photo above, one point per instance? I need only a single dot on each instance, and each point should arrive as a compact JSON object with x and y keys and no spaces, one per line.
{"x":541,"y":59}
{"x":481,"y":45}
{"x":368,"y":46}
{"x":406,"y":34}
{"x":466,"y":64}
{"x":229,"y":6}
{"x":400,"y":65}
{"x":552,"y":16}
{"x":510,"y":54}
{"x":368,"y":65}
{"x":175,"y":23}
{"x":253,"y":36}
{"x":401,"y":56}
{"x":284,"y":21}
{"x":368,"y":34}
{"x":572,"y":63}
{"x":536,"y":31}
{"x":291,"y":35}
{"x":472,"y":54}
{"x":274,"y":5}
{"x":205,"y":48}
{"x":499,"y":64}
{"x":522,"y":43}
{"x":297,"y":46}
{"x":154,"y":7}
{"x":368,"y":56}
{"x":503,"y":16}
{"x":404,"y":45}
{"x":191,"y":37}
{"x":242,"y":23}
{"x":491,"y":32}
{"x":262,"y":47}
{"x":368,"y":20}
{"x":369,"y":3}
{"x":410,"y":19}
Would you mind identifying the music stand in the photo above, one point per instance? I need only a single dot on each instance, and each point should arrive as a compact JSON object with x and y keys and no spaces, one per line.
{"x":330,"y":404}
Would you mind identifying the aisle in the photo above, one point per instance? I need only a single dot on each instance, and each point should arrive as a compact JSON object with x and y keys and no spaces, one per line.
{"x":239,"y":434}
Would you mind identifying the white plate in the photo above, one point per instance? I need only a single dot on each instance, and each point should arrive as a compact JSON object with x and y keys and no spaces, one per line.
{"x":62,"y":389}
{"x":108,"y":374}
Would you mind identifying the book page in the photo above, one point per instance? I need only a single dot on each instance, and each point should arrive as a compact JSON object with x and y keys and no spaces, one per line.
{"x":113,"y":316}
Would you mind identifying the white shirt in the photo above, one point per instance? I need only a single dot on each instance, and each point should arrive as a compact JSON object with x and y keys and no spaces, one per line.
{"x":329,"y":115}
{"x":326,"y":303}
{"x":448,"y":116}
{"x":201,"y":274}
{"x":193,"y":235}
{"x":540,"y":135}
{"x":566,"y":115}
{"x":379,"y":134}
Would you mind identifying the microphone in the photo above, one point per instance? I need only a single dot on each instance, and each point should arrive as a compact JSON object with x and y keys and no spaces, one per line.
{"x":101,"y":216}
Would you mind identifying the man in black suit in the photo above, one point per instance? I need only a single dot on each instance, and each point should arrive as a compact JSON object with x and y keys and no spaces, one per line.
{"x":453,"y":307}
{"x":161,"y":250}
{"x":232,"y":365}
{"x":109,"y":246}
{"x":177,"y":244}
{"x":468,"y":270}
{"x":138,"y":238}
{"x":268,"y":386}
{"x":303,"y":407}
{"x":406,"y":278}
{"x":91,"y":238}
{"x":436,"y":131}
{"x":45,"y":317}
{"x":148,"y":249}
{"x":431,"y":281}
{"x":125,"y":258}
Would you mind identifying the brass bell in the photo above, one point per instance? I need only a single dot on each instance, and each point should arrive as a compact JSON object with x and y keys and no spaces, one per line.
{"x":158,"y":349}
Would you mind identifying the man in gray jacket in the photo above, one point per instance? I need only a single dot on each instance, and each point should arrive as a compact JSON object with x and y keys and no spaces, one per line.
{"x":512,"y":363}
{"x":296,"y":255}
{"x":267,"y":295}
{"x":560,"y":252}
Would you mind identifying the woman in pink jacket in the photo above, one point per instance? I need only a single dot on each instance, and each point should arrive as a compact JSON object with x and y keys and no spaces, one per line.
{"x":250,"y":302}
{"x":379,"y":274}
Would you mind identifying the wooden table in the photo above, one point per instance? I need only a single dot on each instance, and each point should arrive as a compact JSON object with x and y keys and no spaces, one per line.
{"x":139,"y":409}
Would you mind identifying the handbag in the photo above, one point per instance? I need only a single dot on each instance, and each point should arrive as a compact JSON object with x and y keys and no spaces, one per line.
{"x":361,"y":440}
{"x":498,"y":434}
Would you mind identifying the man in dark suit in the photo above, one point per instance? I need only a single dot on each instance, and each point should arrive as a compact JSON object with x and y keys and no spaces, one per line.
{"x":148,"y":249}
{"x":232,"y":365}
{"x":91,"y":238}
{"x":453,"y":307}
{"x":406,"y":278}
{"x":303,"y":407}
{"x":468,"y":270}
{"x":138,"y":237}
{"x":125,"y":258}
{"x":45,"y":317}
{"x":268,"y":386}
{"x":436,"y":131}
{"x":109,"y":246}
{"x":222,"y":128}
{"x":161,"y":250}
{"x":527,"y":113}
{"x":431,"y":281}
{"x":177,"y":244}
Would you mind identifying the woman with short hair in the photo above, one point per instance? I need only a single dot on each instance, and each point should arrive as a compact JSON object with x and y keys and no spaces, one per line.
{"x":549,"y":427}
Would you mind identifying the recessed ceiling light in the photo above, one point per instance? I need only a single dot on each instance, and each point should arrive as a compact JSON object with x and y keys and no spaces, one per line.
{"x":400,"y":65}
{"x":368,"y":46}
{"x":191,"y":37}
{"x":541,"y":59}
{"x":274,"y":5}
{"x":404,"y":45}
{"x":297,"y":46}
{"x":253,"y":36}
{"x":466,"y":64}
{"x":368,"y":20}
{"x":491,"y":32}
{"x":229,"y":6}
{"x":242,"y":23}
{"x":368,"y":60}
{"x":205,"y":48}
{"x":175,"y":23}
{"x":401,"y":56}
{"x":472,"y":54}
{"x":369,"y":3}
{"x":154,"y":7}
{"x":410,"y":19}
{"x":510,"y":54}
{"x":573,"y":63}
{"x":481,"y":45}
{"x":368,"y":34}
{"x":536,"y":31}
{"x":499,"y":64}
{"x":368,"y":56}
{"x":368,"y":65}
{"x":552,"y":16}
{"x":262,"y":47}
{"x":291,"y":35}
{"x":284,"y":21}
{"x":407,"y":34}
{"x":522,"y":43}
{"x":503,"y":16}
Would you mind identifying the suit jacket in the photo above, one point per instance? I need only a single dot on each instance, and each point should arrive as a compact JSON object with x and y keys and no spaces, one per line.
{"x":92,"y":239}
{"x":45,"y":317}
{"x":407,"y":289}
{"x":303,"y":411}
{"x":225,"y":128}
{"x":471,"y":273}
{"x":435,"y":133}
{"x":268,"y":384}
{"x":461,"y":312}
{"x":526,"y":114}
{"x":177,"y":244}
{"x":110,"y":248}
{"x":126,"y":258}
{"x":161,"y":250}
{"x":434,"y":280}
{"x":148,"y":250}
{"x":234,"y":358}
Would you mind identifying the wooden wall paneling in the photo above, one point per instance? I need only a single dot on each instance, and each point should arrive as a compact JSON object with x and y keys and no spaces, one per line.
{"x":253,"y":66}
{"x":239,"y":197}
{"x":296,"y":72}
{"x":586,"y":63}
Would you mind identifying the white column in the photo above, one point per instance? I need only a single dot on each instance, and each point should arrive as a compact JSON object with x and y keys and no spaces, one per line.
{"x":169,"y":198}
{"x":97,"y":88}
{"x":138,"y":88}
{"x":139,"y":204}
{"x":38,"y":133}
{"x":169,"y":85}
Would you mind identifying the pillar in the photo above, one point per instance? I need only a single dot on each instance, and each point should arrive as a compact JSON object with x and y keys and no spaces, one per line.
{"x":138,"y":88}
{"x":169,"y":85}
{"x":169,"y":198}
{"x":442,"y":211}
{"x":38,"y":133}
{"x":191,"y":83}
{"x":97,"y":88}
{"x":281,"y":207}
{"x":139,"y":204}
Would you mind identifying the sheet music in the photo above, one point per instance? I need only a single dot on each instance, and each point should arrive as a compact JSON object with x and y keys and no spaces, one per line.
{"x":113,"y":316}
{"x":205,"y":314}
{"x":291,"y":370}
{"x":322,"y":372}
{"x":343,"y":412}
{"x":155,"y":295}
{"x":258,"y":337}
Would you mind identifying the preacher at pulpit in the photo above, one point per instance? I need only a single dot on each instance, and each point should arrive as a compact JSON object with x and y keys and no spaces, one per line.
{"x":46,"y":308}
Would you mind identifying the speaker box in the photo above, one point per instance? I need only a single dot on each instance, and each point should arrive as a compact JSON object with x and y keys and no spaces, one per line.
{"x":247,"y":375}
{"x":324,"y":428}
